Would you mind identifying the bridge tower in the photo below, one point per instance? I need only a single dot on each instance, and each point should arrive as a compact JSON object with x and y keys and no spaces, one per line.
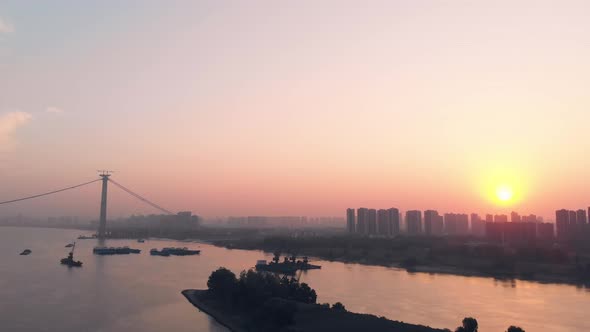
{"x":103,"y":204}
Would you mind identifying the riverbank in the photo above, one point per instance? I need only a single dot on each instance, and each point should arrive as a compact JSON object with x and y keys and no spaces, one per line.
{"x":433,"y":256}
{"x":196,"y":298}
{"x":308,"y":318}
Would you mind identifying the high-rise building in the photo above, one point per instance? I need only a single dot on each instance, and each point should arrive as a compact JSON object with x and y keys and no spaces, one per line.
{"x":562,"y":223}
{"x":573,"y":218}
{"x":350,"y":220}
{"x":489,"y":218}
{"x":430,"y":220}
{"x":361,"y":221}
{"x":438,"y":225}
{"x":529,"y":218}
{"x":478,"y":226}
{"x":500,"y":218}
{"x":372,"y":221}
{"x":383,"y":224}
{"x":393,"y":217}
{"x":414,"y":222}
{"x":515,"y":217}
{"x":581,"y":217}
{"x":462,"y":224}
{"x":456,"y":223}
{"x":545,"y":231}
{"x":450,"y":223}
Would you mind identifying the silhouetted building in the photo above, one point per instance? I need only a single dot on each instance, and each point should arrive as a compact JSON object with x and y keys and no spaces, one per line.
{"x":513,"y":233}
{"x":581,"y":217}
{"x":361,"y":221}
{"x":562,"y":223}
{"x":545,"y":231}
{"x":500,"y":218}
{"x":572,"y":219}
{"x":515,"y":217}
{"x":456,"y":224}
{"x":530,"y":218}
{"x":478,"y":226}
{"x":520,"y":233}
{"x":450,"y":223}
{"x":495,"y":232}
{"x":393,"y":217}
{"x":350,"y":220}
{"x":383,"y":224}
{"x":489,"y":218}
{"x":433,"y":224}
{"x":414,"y":222}
{"x":372,"y":221}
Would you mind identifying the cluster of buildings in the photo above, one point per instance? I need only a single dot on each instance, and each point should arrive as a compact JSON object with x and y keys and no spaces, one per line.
{"x":387,"y":222}
{"x":373,"y":222}
{"x":570,"y":223}
{"x":280,"y":221}
{"x":182,"y":221}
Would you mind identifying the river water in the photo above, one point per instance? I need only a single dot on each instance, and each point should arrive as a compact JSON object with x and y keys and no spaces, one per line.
{"x":142,"y":292}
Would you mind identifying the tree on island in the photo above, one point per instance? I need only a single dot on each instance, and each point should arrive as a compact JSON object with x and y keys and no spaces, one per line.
{"x":469,"y":325}
{"x":515,"y":329}
{"x":222,"y":282}
{"x":338,"y":306}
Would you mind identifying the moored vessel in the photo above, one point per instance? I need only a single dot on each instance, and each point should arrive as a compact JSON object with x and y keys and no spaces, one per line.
{"x":69,"y":261}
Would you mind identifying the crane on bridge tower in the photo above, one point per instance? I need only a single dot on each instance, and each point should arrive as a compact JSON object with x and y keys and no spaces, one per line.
{"x":104,"y":174}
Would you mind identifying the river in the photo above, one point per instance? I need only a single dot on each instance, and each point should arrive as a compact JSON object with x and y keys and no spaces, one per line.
{"x":142,"y":292}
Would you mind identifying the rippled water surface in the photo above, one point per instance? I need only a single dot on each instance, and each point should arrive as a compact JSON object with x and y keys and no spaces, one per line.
{"x":142,"y":292}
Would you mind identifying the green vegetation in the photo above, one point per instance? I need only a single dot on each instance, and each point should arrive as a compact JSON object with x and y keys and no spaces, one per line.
{"x":470,"y":325}
{"x":259,"y":301}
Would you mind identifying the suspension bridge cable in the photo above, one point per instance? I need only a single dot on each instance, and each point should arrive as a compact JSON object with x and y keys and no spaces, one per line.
{"x":49,"y":193}
{"x":145,"y":200}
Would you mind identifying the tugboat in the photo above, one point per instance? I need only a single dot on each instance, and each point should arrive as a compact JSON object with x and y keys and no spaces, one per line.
{"x":25,"y":252}
{"x":69,"y":261}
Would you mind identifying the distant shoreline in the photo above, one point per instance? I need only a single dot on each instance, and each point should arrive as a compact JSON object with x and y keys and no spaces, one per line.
{"x":539,"y":277}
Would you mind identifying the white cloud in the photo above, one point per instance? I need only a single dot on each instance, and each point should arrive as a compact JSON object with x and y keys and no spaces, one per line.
{"x":9,"y":123}
{"x":54,"y":110}
{"x":5,"y":27}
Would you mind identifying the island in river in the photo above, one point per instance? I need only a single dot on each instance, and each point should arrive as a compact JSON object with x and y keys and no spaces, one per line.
{"x":260,"y":301}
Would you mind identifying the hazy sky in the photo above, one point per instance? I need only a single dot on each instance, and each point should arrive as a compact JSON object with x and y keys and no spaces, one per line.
{"x":296,"y":108}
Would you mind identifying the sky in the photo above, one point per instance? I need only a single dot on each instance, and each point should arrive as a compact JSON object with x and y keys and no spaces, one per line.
{"x":295,"y":107}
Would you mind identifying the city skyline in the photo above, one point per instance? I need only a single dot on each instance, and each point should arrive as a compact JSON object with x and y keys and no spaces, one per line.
{"x":266,"y":108}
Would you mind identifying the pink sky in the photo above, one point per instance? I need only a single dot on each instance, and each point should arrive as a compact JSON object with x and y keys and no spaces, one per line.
{"x":307,"y":108}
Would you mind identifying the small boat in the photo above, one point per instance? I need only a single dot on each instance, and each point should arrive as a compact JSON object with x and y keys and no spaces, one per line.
{"x":69,"y":245}
{"x":69,"y":261}
{"x":156,"y":252}
{"x":140,"y":240}
{"x":26,"y":252}
{"x":85,"y":237}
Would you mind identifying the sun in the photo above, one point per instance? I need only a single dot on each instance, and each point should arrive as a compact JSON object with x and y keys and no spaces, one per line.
{"x":504,"y":193}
